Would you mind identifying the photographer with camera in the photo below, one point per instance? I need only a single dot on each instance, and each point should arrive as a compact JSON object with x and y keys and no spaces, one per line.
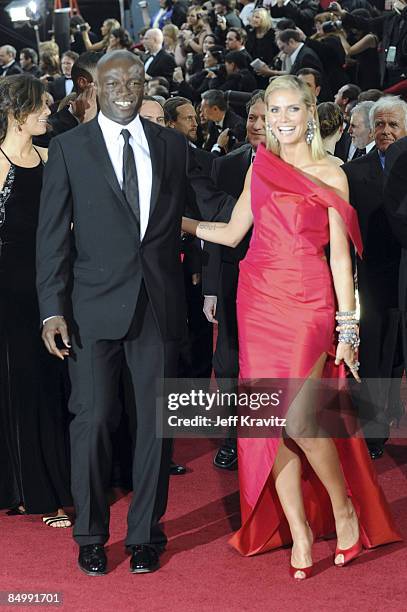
{"x":391,"y":28}
{"x":212,"y":76}
{"x":330,"y":44}
{"x":302,"y":12}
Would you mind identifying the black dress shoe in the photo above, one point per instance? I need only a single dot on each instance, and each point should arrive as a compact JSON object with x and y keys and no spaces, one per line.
{"x":176,"y":469}
{"x":92,"y":559}
{"x":376,"y":452}
{"x":144,"y":559}
{"x":226,"y":458}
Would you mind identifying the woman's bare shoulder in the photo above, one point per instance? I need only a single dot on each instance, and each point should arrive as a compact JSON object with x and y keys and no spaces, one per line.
{"x":43,"y":153}
{"x":329,"y":172}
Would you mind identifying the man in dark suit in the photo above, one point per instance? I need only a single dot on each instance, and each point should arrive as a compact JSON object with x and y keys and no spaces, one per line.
{"x":301,"y":56}
{"x":395,"y":202}
{"x":380,"y":355}
{"x":214,"y":109}
{"x":158,"y":62}
{"x":63,"y":86}
{"x":221,"y":273}
{"x":113,"y":287}
{"x":196,"y":360}
{"x":8,"y":63}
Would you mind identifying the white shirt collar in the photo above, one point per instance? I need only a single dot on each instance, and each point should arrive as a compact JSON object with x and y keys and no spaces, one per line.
{"x":294,"y":55}
{"x":112,"y":130}
{"x":5,"y":66}
{"x":370,"y":146}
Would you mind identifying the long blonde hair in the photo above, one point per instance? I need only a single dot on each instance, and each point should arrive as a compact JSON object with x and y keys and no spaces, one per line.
{"x":292,"y":82}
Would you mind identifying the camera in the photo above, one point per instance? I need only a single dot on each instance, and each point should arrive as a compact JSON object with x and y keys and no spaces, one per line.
{"x":81,"y":27}
{"x":214,"y":69}
{"x":332,"y":26}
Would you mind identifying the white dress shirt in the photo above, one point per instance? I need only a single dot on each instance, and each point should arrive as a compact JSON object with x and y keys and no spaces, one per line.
{"x":149,"y":61}
{"x":294,"y":55}
{"x":68,"y":86}
{"x":115,"y":143}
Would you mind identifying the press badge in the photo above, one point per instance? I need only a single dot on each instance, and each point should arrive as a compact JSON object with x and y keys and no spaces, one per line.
{"x":391,"y":55}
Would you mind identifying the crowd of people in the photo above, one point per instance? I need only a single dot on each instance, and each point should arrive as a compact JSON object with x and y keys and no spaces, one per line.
{"x":270,"y":129}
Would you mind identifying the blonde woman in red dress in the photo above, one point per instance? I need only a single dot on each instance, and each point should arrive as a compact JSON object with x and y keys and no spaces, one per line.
{"x":296,"y":488}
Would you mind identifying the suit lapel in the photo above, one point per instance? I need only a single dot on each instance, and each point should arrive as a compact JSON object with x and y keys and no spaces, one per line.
{"x":100,"y":153}
{"x":157,"y":146}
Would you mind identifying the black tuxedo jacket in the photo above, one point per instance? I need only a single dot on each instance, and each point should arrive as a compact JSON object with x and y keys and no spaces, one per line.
{"x":163,"y":65}
{"x":378,"y":270}
{"x":62,"y":121}
{"x":13,"y":69}
{"x":231,"y":121}
{"x":306,"y":58}
{"x":57,"y":88}
{"x":395,"y":202}
{"x":228,"y":174}
{"x":103,"y":252}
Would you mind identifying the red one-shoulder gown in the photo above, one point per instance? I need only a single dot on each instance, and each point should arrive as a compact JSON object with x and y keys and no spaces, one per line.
{"x":286,"y":321}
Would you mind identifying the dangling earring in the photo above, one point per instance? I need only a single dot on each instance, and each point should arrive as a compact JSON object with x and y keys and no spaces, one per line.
{"x":270,"y":131}
{"x":310,"y":133}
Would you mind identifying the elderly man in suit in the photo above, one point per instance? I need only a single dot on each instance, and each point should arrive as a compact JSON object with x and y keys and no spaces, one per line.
{"x":395,"y":202}
{"x":378,"y":272}
{"x":112,"y":288}
{"x":8,"y":62}
{"x":158,"y":62}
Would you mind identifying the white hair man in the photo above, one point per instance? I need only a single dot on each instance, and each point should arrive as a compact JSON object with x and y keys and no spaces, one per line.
{"x":8,"y":64}
{"x":378,"y":274}
{"x":158,"y":62}
{"x":360,"y":129}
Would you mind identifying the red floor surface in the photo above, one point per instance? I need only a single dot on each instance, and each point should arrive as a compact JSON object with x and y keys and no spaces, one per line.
{"x":200,"y":572}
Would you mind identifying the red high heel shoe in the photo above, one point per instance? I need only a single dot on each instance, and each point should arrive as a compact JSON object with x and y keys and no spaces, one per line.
{"x":349,"y":554}
{"x":306,"y":570}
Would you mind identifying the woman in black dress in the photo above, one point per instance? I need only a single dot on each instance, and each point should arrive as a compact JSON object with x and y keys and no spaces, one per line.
{"x":34,"y":476}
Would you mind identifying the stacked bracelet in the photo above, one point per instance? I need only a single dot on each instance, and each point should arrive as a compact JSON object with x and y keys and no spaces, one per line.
{"x":348,"y":328}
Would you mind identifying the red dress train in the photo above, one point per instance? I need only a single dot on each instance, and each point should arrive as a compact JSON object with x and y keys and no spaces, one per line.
{"x":286,"y":320}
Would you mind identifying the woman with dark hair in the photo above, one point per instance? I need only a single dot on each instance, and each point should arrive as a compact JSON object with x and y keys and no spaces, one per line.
{"x":331,"y":119}
{"x":33,"y":428}
{"x":362,"y":48}
{"x":119,"y":39}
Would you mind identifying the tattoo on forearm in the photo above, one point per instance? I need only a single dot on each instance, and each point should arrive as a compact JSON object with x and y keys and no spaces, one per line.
{"x":207,"y":226}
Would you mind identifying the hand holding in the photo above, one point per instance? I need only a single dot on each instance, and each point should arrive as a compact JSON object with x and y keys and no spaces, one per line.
{"x":223,"y":139}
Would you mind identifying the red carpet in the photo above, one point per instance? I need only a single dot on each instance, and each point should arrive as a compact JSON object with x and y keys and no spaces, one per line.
{"x":200,"y":572}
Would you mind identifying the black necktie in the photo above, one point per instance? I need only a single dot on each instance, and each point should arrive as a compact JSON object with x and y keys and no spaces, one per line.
{"x":130,"y":182}
{"x":359,"y":153}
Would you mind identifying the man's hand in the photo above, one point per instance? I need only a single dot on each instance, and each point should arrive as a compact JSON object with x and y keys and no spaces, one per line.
{"x":53,"y":327}
{"x":84,"y":107}
{"x":265,"y":71}
{"x":209,"y":307}
{"x":196,"y":278}
{"x":303,"y":37}
{"x":336,"y":8}
{"x":223,"y":139}
{"x":177,"y":75}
